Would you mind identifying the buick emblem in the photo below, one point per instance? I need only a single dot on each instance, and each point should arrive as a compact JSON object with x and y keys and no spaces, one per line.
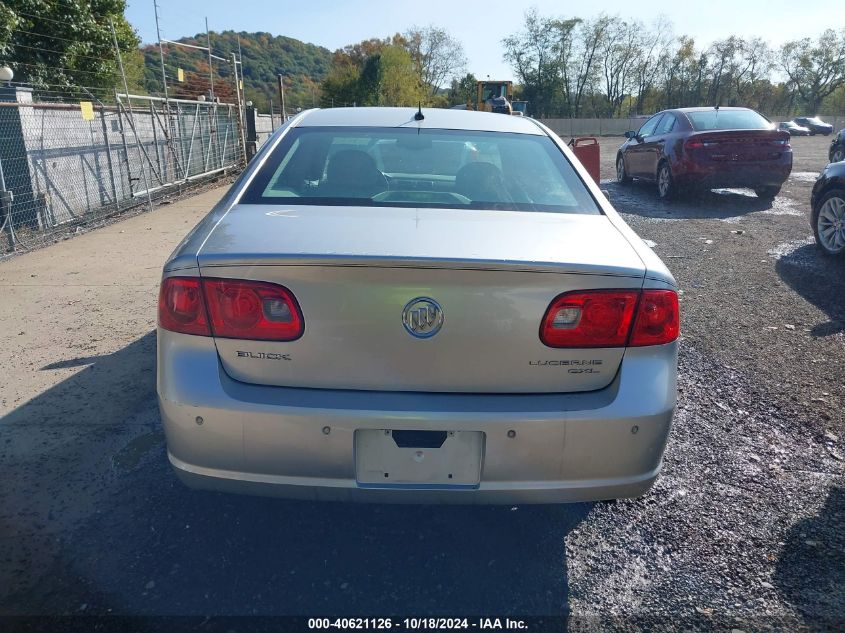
{"x":422,"y":317}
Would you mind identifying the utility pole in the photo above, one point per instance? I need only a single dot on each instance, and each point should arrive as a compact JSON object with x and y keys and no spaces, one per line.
{"x":272,"y":125}
{"x":241,"y":113}
{"x":169,"y":133}
{"x":210,"y":67}
{"x":282,"y":94}
{"x":161,"y":54}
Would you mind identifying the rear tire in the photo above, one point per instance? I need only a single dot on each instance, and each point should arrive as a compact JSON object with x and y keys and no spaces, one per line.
{"x":829,"y":223}
{"x":767,"y":193}
{"x":666,"y":187}
{"x":622,"y":176}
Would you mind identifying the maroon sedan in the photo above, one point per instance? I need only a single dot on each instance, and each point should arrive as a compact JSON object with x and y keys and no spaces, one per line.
{"x":707,"y":148}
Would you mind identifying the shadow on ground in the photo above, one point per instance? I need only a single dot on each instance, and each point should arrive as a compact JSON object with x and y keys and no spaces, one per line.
{"x":96,"y":523}
{"x":818,"y":542}
{"x":640,"y":198}
{"x":820,"y":280}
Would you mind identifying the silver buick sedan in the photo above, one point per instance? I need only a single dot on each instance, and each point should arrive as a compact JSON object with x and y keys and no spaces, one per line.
{"x":417,"y":306}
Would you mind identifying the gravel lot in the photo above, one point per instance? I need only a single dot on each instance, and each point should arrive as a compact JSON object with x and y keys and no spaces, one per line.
{"x":745,"y":528}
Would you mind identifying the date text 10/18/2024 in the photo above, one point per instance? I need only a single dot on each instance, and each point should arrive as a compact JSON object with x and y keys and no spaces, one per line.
{"x":413,"y":624}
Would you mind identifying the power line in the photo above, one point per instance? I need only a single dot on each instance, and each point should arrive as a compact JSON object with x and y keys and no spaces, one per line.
{"x":45,"y":65}
{"x":41,"y":17}
{"x":68,"y":53}
{"x":63,"y":39}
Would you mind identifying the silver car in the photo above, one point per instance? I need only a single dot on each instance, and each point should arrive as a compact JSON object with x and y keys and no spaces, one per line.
{"x":417,"y":306}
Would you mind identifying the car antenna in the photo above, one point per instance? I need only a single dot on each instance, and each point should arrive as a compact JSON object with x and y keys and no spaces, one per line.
{"x":419,"y":116}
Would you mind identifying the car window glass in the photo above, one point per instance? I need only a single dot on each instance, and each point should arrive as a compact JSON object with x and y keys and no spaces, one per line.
{"x":648,"y":127}
{"x":410,"y":167}
{"x":728,"y":120}
{"x":666,"y":124}
{"x":441,"y":158}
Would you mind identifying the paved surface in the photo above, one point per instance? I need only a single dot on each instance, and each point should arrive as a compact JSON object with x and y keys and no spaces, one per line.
{"x":745,"y":525}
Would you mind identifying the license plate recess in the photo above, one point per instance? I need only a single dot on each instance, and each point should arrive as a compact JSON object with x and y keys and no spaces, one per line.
{"x":418,"y":458}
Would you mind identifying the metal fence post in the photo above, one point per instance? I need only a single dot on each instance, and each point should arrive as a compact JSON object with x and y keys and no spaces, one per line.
{"x":272,"y":123}
{"x":161,"y":171}
{"x":6,"y":199}
{"x":251,"y":132}
{"x":115,"y":199}
{"x":131,"y":115}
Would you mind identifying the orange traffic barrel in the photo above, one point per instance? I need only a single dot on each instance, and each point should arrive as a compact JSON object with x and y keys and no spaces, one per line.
{"x":586,"y":149}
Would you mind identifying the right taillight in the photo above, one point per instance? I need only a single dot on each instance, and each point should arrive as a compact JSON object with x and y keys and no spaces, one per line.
{"x":611,"y":318}
{"x":229,"y":308}
{"x":658,"y":319}
{"x":252,"y":310}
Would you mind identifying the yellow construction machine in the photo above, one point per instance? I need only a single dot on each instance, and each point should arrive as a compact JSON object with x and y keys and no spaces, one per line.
{"x":497,"y":96}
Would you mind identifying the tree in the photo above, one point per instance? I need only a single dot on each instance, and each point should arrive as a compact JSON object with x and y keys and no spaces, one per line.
{"x":374,"y":72}
{"x":566,"y":31}
{"x":533,"y":55}
{"x":399,"y":82}
{"x":264,"y":57}
{"x":591,"y":36}
{"x":463,"y":90}
{"x":437,"y":55}
{"x":619,"y":51}
{"x":815,"y":69}
{"x":341,"y":85}
{"x":65,"y":45}
{"x":650,"y":61}
{"x":198,"y":83}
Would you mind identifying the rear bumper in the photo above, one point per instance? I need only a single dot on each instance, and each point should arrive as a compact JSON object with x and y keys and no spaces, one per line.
{"x":321,"y":489}
{"x":299,"y":443}
{"x":727,"y":173}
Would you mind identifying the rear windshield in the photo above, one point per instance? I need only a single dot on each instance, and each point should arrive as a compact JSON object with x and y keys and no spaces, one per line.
{"x":728,"y":120}
{"x":392,"y":167}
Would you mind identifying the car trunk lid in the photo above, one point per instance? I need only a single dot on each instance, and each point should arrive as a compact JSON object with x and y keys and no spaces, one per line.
{"x":354,"y":270}
{"x":739,"y":145}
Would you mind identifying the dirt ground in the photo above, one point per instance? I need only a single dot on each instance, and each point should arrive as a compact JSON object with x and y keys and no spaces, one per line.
{"x":745,"y":528}
{"x":757,"y":293}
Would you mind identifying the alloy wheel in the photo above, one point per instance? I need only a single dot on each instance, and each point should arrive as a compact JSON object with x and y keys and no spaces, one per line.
{"x":664,"y":181}
{"x":831,"y":225}
{"x":838,"y":156}
{"x":621,"y":176}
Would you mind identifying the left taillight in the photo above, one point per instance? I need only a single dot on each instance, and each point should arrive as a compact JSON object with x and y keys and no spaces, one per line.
{"x":658,"y":319}
{"x":229,"y":308}
{"x":181,"y":307}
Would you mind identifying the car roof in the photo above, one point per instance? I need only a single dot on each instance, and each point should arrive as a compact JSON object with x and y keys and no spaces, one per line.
{"x":434,"y":118}
{"x":708,"y":108}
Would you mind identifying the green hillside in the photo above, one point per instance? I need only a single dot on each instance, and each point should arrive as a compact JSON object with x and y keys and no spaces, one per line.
{"x":264,"y":57}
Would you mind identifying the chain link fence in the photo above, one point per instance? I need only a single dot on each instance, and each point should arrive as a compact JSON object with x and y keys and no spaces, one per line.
{"x":69,"y":161}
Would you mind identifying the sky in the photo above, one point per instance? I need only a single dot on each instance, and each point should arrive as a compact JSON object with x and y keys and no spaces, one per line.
{"x":479,"y":25}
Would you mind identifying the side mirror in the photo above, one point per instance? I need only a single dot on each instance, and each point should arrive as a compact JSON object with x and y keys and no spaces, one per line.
{"x":630,"y":134}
